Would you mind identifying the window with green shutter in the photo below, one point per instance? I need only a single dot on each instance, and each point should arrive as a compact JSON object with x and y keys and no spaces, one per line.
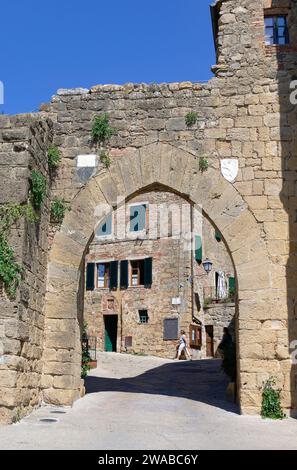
{"x":148,"y":272}
{"x":232,"y":286}
{"x":124,"y":274}
{"x":90,"y":276}
{"x":114,"y":274}
{"x":198,"y":249}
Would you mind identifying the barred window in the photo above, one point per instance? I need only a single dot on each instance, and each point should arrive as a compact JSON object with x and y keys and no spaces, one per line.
{"x":143,"y":316}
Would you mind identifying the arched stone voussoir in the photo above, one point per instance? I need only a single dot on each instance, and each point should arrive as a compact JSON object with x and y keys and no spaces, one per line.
{"x":149,"y":163}
{"x":129,"y":168}
{"x":243,"y":230}
{"x":249,"y":252}
{"x":225,"y":208}
{"x":70,"y":257}
{"x":206,"y":187}
{"x":135,"y":171}
{"x":111,"y":188}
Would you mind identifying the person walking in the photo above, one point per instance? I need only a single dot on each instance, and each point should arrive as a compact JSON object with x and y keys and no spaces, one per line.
{"x":183,"y":346}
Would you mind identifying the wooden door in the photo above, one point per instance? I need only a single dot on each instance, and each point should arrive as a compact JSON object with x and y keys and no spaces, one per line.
{"x":111,"y":327}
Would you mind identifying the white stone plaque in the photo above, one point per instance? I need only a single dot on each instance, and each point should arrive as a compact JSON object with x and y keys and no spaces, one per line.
{"x":229,"y":169}
{"x":86,"y":161}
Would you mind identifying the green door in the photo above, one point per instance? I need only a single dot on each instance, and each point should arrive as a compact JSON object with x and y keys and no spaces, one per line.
{"x":111,"y":327}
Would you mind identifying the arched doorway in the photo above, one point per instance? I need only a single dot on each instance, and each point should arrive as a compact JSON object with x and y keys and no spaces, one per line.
{"x":178,"y":170}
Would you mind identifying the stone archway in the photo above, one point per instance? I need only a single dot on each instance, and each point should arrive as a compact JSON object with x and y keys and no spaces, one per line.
{"x":137,"y":169}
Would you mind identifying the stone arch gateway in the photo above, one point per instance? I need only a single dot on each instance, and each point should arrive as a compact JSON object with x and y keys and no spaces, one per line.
{"x":178,"y":170}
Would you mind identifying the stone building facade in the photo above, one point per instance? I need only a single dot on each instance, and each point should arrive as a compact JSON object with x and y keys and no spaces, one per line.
{"x":246,"y":129}
{"x":134,"y":314}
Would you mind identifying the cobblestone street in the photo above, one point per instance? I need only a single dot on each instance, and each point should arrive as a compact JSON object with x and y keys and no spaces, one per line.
{"x":141,"y":402}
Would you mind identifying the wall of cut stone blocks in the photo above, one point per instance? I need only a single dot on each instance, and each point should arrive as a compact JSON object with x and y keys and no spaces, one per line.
{"x":244,"y":114}
{"x":24,"y":141}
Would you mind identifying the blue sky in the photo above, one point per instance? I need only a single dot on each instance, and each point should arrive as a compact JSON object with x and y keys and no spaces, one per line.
{"x":54,"y":44}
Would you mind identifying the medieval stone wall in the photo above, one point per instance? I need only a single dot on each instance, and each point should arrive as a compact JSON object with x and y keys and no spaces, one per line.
{"x":24,"y":141}
{"x":244,"y":114}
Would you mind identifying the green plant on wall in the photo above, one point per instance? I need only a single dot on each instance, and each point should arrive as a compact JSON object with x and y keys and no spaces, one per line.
{"x":85,"y":357}
{"x":58,"y":210}
{"x":191,"y":118}
{"x":10,"y":213}
{"x":203,"y":164}
{"x":10,"y":270}
{"x":101,"y":130}
{"x":105,"y":159}
{"x":54,"y":157}
{"x":38,"y":188}
{"x":271,"y":407}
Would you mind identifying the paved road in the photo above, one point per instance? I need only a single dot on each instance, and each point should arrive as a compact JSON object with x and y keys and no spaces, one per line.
{"x":150,"y":403}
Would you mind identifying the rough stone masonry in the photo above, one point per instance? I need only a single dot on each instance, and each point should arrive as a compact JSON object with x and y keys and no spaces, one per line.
{"x":244,"y":114}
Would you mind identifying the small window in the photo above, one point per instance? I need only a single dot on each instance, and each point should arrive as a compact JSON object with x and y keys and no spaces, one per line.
{"x":137,"y":273}
{"x":143,"y":316}
{"x":138,"y":215}
{"x":105,"y":227}
{"x":103,"y":277}
{"x":276,"y":30}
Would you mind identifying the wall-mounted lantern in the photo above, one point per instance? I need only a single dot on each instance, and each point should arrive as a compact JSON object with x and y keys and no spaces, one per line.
{"x":207,"y":265}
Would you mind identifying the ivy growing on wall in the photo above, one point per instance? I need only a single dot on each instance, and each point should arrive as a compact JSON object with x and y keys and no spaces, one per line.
{"x":191,"y":118}
{"x":54,"y":157}
{"x":38,"y":188}
{"x":101,"y":130}
{"x":271,"y":406}
{"x":101,"y":134}
{"x":85,"y":358}
{"x":105,"y":159}
{"x":58,"y":210}
{"x":203,"y":164}
{"x":10,"y":270}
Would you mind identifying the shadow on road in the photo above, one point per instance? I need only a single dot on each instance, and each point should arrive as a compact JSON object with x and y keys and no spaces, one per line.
{"x":202,"y":381}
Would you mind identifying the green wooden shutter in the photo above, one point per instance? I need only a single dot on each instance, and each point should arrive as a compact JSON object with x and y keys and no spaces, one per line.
{"x":148,"y":272}
{"x":114,"y":274}
{"x":232,"y":283}
{"x":198,"y":249}
{"x":90,"y":278}
{"x":218,"y":236}
{"x":124,"y":280}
